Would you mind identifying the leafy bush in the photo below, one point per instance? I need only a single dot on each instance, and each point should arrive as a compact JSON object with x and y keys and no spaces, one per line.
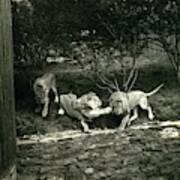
{"x":42,"y":25}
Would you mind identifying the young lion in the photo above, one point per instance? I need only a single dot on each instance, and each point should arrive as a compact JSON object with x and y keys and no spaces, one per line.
{"x":42,"y":87}
{"x":90,"y":100}
{"x":124,"y":103}
{"x":67,"y":106}
{"x":88,"y":106}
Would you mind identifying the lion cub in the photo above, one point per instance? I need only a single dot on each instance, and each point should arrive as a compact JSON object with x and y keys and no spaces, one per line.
{"x":124,"y":103}
{"x":84,"y":108}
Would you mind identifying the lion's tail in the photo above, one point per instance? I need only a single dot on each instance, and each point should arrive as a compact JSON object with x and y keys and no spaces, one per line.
{"x":155,"y":90}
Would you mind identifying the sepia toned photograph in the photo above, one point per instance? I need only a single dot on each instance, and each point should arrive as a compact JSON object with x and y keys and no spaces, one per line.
{"x":89,"y":90}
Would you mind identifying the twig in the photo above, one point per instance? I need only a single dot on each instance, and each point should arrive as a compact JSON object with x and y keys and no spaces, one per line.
{"x":134,"y":80}
{"x":130,"y":77}
{"x":107,"y":82}
{"x":104,"y":88}
{"x":116,"y":84}
{"x":109,"y":29}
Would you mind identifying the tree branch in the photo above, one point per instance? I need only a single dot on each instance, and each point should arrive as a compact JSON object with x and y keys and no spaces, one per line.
{"x":108,"y":28}
{"x":134,"y":80}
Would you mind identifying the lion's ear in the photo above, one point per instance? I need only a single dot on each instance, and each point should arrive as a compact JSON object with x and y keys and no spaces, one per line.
{"x":92,"y":93}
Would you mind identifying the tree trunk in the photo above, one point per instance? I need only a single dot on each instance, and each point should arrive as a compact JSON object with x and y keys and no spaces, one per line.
{"x":178,"y":71}
{"x":7,"y":121}
{"x":178,"y":74}
{"x":178,"y":61}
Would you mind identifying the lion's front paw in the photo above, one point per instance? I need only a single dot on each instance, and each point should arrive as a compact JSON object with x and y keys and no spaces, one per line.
{"x":85,"y":127}
{"x":61,"y":111}
{"x":121,"y":128}
{"x":151,"y":116}
{"x":56,"y":100}
{"x":129,"y":123}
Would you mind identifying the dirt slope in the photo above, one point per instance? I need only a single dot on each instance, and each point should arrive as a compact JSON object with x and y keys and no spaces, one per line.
{"x":128,"y":155}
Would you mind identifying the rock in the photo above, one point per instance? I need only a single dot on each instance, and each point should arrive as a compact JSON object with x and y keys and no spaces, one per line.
{"x":54,"y":178}
{"x":67,"y":162}
{"x":83,"y":156}
{"x":101,"y":174}
{"x":95,"y":154}
{"x":169,"y":132}
{"x":89,"y":171}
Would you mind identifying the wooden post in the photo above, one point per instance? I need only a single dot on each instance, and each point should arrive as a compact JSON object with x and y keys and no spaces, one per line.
{"x":7,"y":121}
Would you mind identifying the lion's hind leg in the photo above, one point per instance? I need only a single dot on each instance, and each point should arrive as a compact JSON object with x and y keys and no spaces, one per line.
{"x":145,"y":106}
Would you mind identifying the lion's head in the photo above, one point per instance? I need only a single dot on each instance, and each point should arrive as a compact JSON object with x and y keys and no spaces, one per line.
{"x":39,"y":94}
{"x":118,"y":103}
{"x":89,"y":101}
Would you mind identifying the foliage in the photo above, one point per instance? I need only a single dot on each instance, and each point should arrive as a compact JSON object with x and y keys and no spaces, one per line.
{"x":95,"y":58}
{"x":28,"y":46}
{"x":40,"y":25}
{"x":130,"y":25}
{"x":164,"y":22}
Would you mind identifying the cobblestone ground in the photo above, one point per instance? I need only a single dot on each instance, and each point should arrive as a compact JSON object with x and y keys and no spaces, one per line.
{"x":128,"y":155}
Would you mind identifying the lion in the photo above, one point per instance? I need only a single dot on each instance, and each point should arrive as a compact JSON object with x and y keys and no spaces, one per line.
{"x":42,"y":86}
{"x":88,"y":101}
{"x":90,"y":106}
{"x":124,"y":103}
{"x":84,"y":108}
